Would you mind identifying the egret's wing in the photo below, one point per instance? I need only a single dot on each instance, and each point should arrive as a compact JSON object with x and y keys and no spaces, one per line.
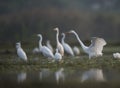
{"x":68,"y":49}
{"x":97,"y":43}
{"x":47,"y":52}
{"x":60,"y":49}
{"x":58,"y":56}
{"x":21,"y":54}
{"x":50,"y":46}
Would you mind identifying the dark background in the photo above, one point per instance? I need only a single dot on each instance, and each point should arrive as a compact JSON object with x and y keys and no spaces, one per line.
{"x":21,"y":20}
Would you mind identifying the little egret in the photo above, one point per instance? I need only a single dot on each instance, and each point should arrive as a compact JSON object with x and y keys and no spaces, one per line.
{"x":57,"y":56}
{"x":20,"y":52}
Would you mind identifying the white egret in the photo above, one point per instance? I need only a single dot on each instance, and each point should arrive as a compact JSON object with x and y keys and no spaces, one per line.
{"x":20,"y":52}
{"x":66,"y":47}
{"x":96,"y":47}
{"x":57,"y":56}
{"x":93,"y":74}
{"x":116,"y":55}
{"x":49,"y":45}
{"x":59,"y":45}
{"x":45,"y":50}
{"x":76,"y":50}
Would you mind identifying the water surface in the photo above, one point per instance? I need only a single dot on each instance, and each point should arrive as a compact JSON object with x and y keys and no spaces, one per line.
{"x":61,"y":77}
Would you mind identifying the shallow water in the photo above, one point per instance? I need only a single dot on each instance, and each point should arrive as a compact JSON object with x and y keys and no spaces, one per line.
{"x":39,"y":73}
{"x":62,"y":77}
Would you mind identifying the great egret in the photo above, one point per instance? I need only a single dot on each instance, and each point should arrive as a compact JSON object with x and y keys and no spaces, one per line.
{"x":93,"y":74}
{"x":45,"y":50}
{"x":116,"y":55}
{"x":59,"y":45}
{"x":66,"y":47}
{"x":57,"y":56}
{"x":20,"y":52}
{"x":76,"y":50}
{"x":49,"y":45}
{"x":96,"y":47}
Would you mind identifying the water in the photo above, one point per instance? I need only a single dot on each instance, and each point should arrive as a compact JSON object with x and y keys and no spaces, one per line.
{"x":61,"y":77}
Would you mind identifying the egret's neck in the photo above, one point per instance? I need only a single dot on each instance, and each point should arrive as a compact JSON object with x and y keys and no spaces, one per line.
{"x":63,"y":38}
{"x":18,"y":46}
{"x":81,"y":43}
{"x":57,"y":37}
{"x":40,"y":42}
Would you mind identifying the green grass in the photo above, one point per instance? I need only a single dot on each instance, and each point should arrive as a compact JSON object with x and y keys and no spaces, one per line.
{"x":10,"y":62}
{"x":82,"y":62}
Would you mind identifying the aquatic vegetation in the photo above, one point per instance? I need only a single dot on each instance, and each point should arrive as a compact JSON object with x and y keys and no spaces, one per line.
{"x":11,"y":63}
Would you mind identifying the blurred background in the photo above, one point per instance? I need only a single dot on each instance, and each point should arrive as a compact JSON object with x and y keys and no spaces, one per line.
{"x":21,"y":20}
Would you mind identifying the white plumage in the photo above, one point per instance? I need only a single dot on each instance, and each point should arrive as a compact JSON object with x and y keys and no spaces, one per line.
{"x":59,"y":45}
{"x":76,"y":50}
{"x":20,"y":52}
{"x":66,"y":47}
{"x":36,"y":50}
{"x":49,"y":45}
{"x":116,"y":55}
{"x":45,"y":50}
{"x":96,"y":47}
{"x":57,"y":56}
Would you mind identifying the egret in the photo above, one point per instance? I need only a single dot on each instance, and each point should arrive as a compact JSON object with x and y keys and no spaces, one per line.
{"x":96,"y":47}
{"x":76,"y":50}
{"x":116,"y":55}
{"x":49,"y":45}
{"x":20,"y":52}
{"x":59,"y":45}
{"x":45,"y":50}
{"x":57,"y":56}
{"x":66,"y":47}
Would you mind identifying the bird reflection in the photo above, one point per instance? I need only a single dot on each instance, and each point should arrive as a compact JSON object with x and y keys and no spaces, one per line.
{"x":93,"y":74}
{"x":21,"y":77}
{"x":44,"y":73}
{"x":59,"y":74}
